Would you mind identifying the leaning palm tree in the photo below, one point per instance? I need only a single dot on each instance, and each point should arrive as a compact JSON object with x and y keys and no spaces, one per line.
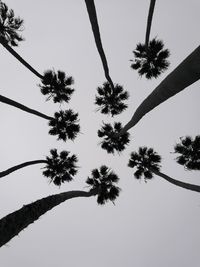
{"x":59,"y":168}
{"x":95,"y":28}
{"x":109,"y":101}
{"x":147,"y":163}
{"x":64,"y":124}
{"x":56,"y":86}
{"x":111,"y":141}
{"x":185,"y":74}
{"x":102,"y":183}
{"x":189,"y":152}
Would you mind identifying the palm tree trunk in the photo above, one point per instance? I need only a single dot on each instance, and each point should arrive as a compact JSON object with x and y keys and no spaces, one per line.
{"x":22,"y":165}
{"x":95,"y":28}
{"x":187,"y":73}
{"x":149,"y":22}
{"x":17,"y":56}
{"x":13,"y":103}
{"x":15,"y":222}
{"x":187,"y":186}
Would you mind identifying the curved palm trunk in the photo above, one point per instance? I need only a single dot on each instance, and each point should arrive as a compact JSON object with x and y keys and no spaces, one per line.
{"x":187,"y":186}
{"x":187,"y":73}
{"x":12,"y":224}
{"x":17,"y":56}
{"x":13,"y":103}
{"x":149,"y":22}
{"x":95,"y":28}
{"x":22,"y":165}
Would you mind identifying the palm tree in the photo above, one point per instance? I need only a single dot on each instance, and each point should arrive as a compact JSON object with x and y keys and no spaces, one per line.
{"x":111,"y":141}
{"x":185,"y":74}
{"x":95,"y":28}
{"x":59,"y":168}
{"x":109,"y":101}
{"x":57,"y":86}
{"x":64,"y":124}
{"x":147,"y":163}
{"x":149,"y":21}
{"x":189,"y":150}
{"x":102,"y":183}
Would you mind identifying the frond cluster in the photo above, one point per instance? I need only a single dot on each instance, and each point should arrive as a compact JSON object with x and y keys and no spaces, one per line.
{"x":10,"y":26}
{"x":145,"y":161}
{"x":65,"y":125}
{"x":189,"y":150}
{"x":151,"y":61}
{"x":104,"y":180}
{"x":57,"y":86}
{"x":111,"y":141}
{"x":109,"y":101}
{"x":61,"y":167}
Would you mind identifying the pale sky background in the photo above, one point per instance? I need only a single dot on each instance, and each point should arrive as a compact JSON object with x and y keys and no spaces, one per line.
{"x":153,"y":224}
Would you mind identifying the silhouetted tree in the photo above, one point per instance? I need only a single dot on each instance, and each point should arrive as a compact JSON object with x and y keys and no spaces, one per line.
{"x":109,"y":101}
{"x":111,"y":141}
{"x":187,"y":72}
{"x":147,"y":163}
{"x":64,"y":124}
{"x":95,"y":28}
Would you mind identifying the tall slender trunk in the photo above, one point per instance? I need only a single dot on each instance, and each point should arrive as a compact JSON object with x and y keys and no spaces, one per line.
{"x":149,"y":22}
{"x":12,"y":224}
{"x":95,"y":28}
{"x":187,"y":186}
{"x":13,"y":103}
{"x":17,"y":56}
{"x":187,"y":73}
{"x":22,"y":165}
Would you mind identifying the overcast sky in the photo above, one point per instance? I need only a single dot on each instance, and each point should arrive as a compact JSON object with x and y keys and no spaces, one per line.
{"x":153,"y":224}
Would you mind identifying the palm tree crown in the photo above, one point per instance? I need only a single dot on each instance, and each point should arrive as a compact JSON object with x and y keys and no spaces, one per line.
{"x":145,"y":160}
{"x":189,"y":150}
{"x":151,"y":61}
{"x":65,"y":125}
{"x":60,"y":168}
{"x":9,"y":26}
{"x":109,"y":101}
{"x":104,"y":181}
{"x":111,"y":140}
{"x":57,"y":86}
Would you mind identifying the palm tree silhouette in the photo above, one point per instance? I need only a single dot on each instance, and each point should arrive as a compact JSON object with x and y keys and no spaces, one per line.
{"x":109,"y":101}
{"x":147,"y":163}
{"x":95,"y":28}
{"x":189,"y":151}
{"x":149,"y":21}
{"x":56,"y":86}
{"x":111,"y":141}
{"x":64,"y":124}
{"x":185,"y":74}
{"x":59,"y":168}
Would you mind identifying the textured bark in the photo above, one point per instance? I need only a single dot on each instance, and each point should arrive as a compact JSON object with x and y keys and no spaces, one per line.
{"x":187,"y":186}
{"x":95,"y":28}
{"x":12,"y":224}
{"x":17,"y":56}
{"x":22,"y":165}
{"x":13,"y":103}
{"x":149,"y":21}
{"x":187,"y":73}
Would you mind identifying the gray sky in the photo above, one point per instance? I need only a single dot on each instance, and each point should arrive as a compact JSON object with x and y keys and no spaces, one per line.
{"x":152,"y":224}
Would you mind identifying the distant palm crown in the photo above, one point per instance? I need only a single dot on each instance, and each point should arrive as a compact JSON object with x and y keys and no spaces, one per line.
{"x":151,"y":61}
{"x":109,"y":101}
{"x":145,"y":161}
{"x":9,"y":26}
{"x":111,"y":141}
{"x":189,"y":150}
{"x":60,"y":168}
{"x":65,"y":125}
{"x":104,"y":180}
{"x":57,"y":86}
